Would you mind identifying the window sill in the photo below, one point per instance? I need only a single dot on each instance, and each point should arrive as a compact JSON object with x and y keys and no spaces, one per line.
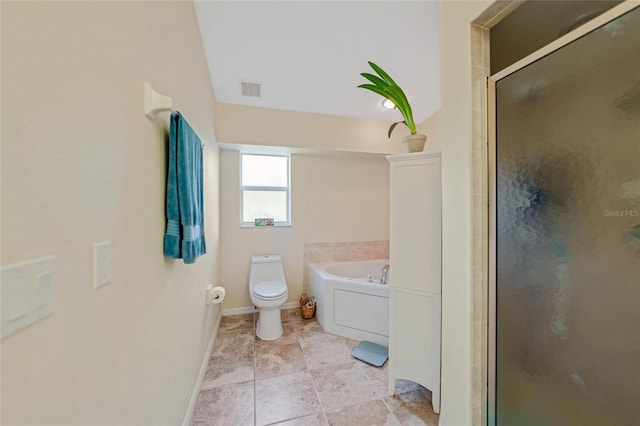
{"x":277,"y":225}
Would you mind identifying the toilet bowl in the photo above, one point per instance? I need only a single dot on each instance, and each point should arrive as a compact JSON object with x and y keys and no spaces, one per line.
{"x":268,"y":292}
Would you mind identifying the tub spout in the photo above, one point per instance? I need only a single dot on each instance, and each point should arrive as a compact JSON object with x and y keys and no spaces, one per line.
{"x":383,"y":274}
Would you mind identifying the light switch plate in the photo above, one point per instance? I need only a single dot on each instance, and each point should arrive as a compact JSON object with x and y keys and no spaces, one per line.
{"x":102,"y":273}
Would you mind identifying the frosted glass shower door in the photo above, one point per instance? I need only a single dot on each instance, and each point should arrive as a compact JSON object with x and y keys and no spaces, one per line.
{"x":567,"y":234}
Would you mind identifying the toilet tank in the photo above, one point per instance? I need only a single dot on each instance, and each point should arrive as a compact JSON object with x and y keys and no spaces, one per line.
{"x":266,"y":268}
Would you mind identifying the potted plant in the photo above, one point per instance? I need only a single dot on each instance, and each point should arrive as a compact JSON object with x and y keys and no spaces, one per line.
{"x":383,"y":85}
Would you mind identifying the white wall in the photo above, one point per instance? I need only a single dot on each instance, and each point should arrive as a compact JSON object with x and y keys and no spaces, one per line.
{"x":264,"y":126}
{"x":432,"y":127}
{"x":81,"y":164}
{"x":335,"y":198}
{"x":456,"y":116}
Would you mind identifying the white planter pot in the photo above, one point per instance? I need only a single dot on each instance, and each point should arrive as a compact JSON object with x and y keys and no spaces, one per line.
{"x":414,"y":143}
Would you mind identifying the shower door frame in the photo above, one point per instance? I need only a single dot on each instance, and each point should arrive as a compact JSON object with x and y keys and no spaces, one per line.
{"x":561,"y":42}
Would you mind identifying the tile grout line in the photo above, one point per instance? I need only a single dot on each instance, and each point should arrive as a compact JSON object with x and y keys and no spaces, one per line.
{"x":313,"y":383}
{"x":390,"y":411}
{"x":255,"y":366}
{"x":380,"y":397}
{"x":299,"y":330}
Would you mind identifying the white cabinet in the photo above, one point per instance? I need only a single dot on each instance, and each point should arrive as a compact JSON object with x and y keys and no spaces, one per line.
{"x":415,"y":293}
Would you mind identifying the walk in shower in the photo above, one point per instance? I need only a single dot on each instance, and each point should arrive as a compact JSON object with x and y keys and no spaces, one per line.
{"x":564,"y":343}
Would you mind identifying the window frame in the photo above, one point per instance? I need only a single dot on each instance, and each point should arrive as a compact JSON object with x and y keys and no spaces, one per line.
{"x":286,"y":189}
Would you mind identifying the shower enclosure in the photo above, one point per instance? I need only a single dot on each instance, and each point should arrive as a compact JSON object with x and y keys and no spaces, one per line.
{"x":564,"y":331}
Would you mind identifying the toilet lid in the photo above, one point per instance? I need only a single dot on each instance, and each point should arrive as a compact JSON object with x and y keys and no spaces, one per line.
{"x":269,"y":289}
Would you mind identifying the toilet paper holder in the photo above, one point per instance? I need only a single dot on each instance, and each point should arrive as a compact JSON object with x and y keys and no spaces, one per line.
{"x":215,"y":294}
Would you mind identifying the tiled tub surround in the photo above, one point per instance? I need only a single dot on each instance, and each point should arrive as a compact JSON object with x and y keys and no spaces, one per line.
{"x":306,"y":377}
{"x":342,"y":252}
{"x":480,"y":71}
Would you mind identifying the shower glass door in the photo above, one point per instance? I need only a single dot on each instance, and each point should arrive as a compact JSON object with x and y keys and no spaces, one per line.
{"x":566,"y":342}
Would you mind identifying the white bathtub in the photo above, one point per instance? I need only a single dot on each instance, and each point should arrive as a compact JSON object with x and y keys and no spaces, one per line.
{"x":347,"y":304}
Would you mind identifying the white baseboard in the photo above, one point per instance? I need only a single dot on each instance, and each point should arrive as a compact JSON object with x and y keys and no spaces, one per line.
{"x":201,"y":373}
{"x":291,"y":305}
{"x":239,"y":311}
{"x":252,"y":309}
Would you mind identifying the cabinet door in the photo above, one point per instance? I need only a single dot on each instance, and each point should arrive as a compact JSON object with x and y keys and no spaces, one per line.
{"x":415,"y":217}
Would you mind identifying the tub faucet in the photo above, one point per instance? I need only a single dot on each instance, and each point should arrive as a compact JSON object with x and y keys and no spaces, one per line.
{"x":383,"y":274}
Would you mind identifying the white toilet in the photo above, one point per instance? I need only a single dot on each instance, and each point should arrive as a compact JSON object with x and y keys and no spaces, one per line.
{"x":268,"y":292}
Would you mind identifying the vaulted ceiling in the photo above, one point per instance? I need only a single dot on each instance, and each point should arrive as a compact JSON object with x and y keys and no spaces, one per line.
{"x":308,"y":55}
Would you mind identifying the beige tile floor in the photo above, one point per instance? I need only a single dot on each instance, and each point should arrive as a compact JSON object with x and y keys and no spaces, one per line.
{"x":306,"y":377}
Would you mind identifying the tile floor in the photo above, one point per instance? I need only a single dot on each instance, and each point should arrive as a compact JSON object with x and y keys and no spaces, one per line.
{"x":306,"y":377}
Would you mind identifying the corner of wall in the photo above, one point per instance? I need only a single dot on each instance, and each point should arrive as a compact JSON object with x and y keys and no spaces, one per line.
{"x":432,"y":127}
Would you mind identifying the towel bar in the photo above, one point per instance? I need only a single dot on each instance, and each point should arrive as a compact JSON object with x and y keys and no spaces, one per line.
{"x":154,"y":103}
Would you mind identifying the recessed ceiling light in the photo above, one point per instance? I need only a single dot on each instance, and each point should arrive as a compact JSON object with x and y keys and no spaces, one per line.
{"x":386,"y":103}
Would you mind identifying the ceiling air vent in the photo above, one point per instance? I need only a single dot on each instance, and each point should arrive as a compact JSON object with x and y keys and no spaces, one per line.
{"x":250,"y":88}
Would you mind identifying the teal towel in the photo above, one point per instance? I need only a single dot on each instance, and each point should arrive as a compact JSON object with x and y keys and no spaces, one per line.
{"x":184,"y":237}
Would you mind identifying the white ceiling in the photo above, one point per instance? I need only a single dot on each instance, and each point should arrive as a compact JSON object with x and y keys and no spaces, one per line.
{"x":308,"y":55}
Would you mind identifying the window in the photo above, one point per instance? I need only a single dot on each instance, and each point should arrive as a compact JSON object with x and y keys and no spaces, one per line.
{"x":264,"y":189}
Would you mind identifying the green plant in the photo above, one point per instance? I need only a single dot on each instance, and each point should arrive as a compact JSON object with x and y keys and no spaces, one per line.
{"x":384,"y":86}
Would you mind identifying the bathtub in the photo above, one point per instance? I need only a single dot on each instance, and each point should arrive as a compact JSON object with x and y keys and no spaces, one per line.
{"x":347,"y":304}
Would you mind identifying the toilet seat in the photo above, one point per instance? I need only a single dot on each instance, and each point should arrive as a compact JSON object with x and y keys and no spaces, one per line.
{"x":269,"y":290}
